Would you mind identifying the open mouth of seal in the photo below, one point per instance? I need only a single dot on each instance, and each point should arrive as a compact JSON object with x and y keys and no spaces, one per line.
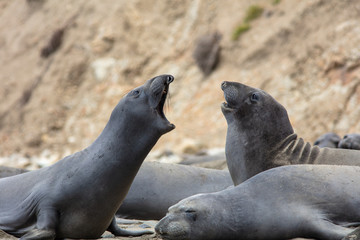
{"x":160,"y":107}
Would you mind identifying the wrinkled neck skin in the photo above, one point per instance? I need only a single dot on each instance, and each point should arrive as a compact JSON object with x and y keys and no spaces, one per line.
{"x":249,"y":152}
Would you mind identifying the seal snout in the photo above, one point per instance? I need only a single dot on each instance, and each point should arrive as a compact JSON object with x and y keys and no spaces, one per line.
{"x":224,"y":85}
{"x":169,"y":79}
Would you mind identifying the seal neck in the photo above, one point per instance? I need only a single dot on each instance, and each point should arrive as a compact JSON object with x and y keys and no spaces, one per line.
{"x":294,"y":150}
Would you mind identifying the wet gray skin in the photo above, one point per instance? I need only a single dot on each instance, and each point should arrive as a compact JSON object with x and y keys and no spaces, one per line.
{"x":260,"y":136}
{"x":309,"y":201}
{"x":78,"y":196}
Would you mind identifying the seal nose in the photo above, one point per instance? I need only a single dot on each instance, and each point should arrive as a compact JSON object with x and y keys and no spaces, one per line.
{"x":169,"y":79}
{"x":223,"y":85}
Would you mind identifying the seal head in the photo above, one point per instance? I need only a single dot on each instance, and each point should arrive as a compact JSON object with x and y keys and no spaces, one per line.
{"x":330,"y":140}
{"x":191,"y":216}
{"x":350,"y":141}
{"x":149,"y":99}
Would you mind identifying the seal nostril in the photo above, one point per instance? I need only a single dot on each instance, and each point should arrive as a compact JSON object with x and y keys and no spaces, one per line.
{"x":169,"y":79}
{"x":223,"y":85}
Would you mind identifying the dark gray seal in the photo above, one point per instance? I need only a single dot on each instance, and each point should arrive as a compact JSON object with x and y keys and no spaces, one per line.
{"x":310,"y":201}
{"x":260,"y":136}
{"x":350,"y":141}
{"x":78,"y":196}
{"x":330,"y":140}
{"x":157,"y":186}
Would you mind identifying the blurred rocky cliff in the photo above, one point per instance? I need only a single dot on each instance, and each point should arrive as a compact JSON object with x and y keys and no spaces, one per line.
{"x":65,"y":64}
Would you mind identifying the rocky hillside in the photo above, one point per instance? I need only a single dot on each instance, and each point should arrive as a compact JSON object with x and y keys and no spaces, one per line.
{"x":57,"y":91}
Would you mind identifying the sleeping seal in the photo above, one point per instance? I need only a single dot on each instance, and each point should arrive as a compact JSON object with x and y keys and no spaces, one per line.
{"x":350,"y":141}
{"x":309,"y":201}
{"x":330,"y":140}
{"x":77,"y":197}
{"x":157,"y":186}
{"x":260,"y":136}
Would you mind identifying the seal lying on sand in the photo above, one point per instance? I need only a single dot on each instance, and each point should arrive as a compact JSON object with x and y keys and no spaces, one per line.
{"x":311,"y":201}
{"x":330,"y":140}
{"x":157,"y":186}
{"x":260,"y":136}
{"x":78,"y":196}
{"x":350,"y":141}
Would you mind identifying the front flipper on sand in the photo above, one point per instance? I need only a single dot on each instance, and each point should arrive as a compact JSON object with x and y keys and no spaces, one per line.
{"x":354,"y":235}
{"x":117,"y":231}
{"x":37,"y":234}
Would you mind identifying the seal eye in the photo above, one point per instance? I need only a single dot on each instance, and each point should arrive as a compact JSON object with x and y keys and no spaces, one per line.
{"x":191,"y":214}
{"x":255,"y":97}
{"x":135,"y":93}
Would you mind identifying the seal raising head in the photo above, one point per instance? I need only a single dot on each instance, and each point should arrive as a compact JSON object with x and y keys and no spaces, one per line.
{"x":260,"y":136}
{"x":77,"y":197}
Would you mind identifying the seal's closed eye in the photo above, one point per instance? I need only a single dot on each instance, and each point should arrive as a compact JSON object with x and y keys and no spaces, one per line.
{"x":191,"y":214}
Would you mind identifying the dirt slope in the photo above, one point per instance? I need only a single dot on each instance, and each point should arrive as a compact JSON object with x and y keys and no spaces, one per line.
{"x":305,"y":53}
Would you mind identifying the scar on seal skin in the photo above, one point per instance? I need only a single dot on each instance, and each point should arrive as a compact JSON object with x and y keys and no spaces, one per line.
{"x":260,"y":136}
{"x":309,"y":201}
{"x":77,"y":197}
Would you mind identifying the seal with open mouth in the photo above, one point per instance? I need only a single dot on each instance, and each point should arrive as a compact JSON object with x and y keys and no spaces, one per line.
{"x":260,"y":136}
{"x":77,"y":197}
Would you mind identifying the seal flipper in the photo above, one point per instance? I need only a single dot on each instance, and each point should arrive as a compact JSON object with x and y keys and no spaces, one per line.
{"x":354,"y":235}
{"x":117,"y":231}
{"x":47,"y":220}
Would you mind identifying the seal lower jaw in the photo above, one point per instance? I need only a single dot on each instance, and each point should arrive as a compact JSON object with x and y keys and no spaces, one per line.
{"x":160,"y":110}
{"x":226,"y":108}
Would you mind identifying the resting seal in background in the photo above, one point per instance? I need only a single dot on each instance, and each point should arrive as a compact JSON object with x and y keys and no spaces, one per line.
{"x":157,"y":186}
{"x":310,"y":201}
{"x":330,"y":140}
{"x":350,"y":141}
{"x":78,"y":196}
{"x":10,"y":171}
{"x":260,"y":136}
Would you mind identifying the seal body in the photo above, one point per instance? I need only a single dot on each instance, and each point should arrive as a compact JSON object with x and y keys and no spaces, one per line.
{"x":77,"y":197}
{"x":310,"y":201}
{"x":330,"y":140}
{"x":350,"y":141}
{"x":10,"y":171}
{"x":157,"y":186}
{"x":260,"y":136}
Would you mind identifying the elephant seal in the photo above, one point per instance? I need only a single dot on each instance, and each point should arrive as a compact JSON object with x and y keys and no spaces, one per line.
{"x":77,"y":197}
{"x":330,"y":140}
{"x":310,"y":201}
{"x":260,"y":136}
{"x":157,"y":186}
{"x":350,"y":141}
